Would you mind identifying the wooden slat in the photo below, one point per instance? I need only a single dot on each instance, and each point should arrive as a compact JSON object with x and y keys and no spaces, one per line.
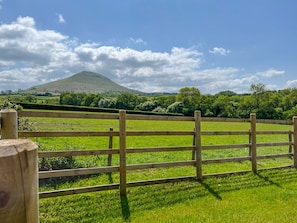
{"x":72,"y":191}
{"x":265,"y":144}
{"x":225,"y":160}
{"x":160,"y":181}
{"x":277,"y":167}
{"x":159,"y":118}
{"x":272,"y":156}
{"x":66,"y":115}
{"x":272,"y":121}
{"x":232,"y":146}
{"x":160,"y":149}
{"x":77,"y":153}
{"x":160,"y":165}
{"x":77,"y":172}
{"x":226,"y":133}
{"x":158,"y":133}
{"x":67,"y":134}
{"x":225,"y":174}
{"x":274,"y":132}
{"x":215,"y":119}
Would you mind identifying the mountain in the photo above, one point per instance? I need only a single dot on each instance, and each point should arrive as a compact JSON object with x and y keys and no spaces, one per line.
{"x":85,"y":81}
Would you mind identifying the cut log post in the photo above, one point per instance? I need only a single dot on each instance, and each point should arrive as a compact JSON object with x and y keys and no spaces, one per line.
{"x":9,"y":124}
{"x":18,"y":182}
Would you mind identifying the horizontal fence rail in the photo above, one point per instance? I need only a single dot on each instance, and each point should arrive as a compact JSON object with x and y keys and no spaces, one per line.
{"x":122,"y":151}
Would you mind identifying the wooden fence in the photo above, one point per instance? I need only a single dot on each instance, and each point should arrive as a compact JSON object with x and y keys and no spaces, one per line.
{"x":9,"y":130}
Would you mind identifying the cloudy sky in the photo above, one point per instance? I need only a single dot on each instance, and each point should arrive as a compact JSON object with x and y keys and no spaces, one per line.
{"x":151,"y":45}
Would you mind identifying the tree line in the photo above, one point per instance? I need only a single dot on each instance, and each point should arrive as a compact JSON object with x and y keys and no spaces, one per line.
{"x":266,"y":104}
{"x":281,"y":104}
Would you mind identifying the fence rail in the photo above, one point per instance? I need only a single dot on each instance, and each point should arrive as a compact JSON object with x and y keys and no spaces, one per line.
{"x":122,"y":133}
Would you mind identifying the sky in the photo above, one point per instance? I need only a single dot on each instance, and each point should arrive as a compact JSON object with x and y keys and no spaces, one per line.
{"x":151,"y":45}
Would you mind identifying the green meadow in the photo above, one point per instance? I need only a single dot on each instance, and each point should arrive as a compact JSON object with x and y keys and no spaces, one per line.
{"x":268,"y":196}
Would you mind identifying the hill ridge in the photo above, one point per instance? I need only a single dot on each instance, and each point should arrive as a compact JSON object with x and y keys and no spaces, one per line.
{"x":82,"y":82}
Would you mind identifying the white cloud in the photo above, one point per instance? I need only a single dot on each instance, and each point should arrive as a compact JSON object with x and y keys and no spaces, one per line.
{"x":219,"y":50}
{"x":291,"y":84}
{"x":271,"y":73}
{"x":30,"y":56}
{"x":61,"y":19}
{"x":137,"y":41}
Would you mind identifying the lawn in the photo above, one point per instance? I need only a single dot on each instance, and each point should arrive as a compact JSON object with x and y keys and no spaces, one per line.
{"x":268,"y":196}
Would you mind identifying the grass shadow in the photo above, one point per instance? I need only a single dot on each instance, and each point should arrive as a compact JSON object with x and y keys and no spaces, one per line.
{"x":267,"y":179}
{"x":125,"y":208}
{"x":211,"y":190}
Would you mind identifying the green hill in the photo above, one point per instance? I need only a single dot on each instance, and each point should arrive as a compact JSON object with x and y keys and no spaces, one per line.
{"x":85,"y":81}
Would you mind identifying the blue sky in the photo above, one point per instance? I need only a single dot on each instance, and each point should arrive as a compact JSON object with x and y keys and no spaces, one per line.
{"x":151,"y":45}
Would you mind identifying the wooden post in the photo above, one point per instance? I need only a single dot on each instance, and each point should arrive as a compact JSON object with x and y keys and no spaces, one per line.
{"x":18,"y":182}
{"x":198,"y":145}
{"x":122,"y":138}
{"x":253,"y":142}
{"x":110,"y":143}
{"x":9,"y":124}
{"x":295,"y":140}
{"x":250,"y":142}
{"x":193,"y":151}
{"x":290,"y":141}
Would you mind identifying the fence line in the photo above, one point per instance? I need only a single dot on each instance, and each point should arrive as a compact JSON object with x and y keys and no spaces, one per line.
{"x":196,"y":148}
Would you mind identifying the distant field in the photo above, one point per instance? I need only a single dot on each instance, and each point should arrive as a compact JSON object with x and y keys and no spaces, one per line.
{"x":245,"y":198}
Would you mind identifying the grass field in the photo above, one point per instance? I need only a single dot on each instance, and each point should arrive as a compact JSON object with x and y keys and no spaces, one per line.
{"x":268,"y":196}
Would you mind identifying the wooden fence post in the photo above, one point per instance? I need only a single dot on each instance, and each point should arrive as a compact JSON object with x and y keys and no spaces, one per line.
{"x":295,"y":140}
{"x":290,"y":141}
{"x":109,"y":160}
{"x":253,"y":142}
{"x":18,"y":181}
{"x":198,"y":145}
{"x":193,"y":151}
{"x":9,"y":124}
{"x":122,"y":142}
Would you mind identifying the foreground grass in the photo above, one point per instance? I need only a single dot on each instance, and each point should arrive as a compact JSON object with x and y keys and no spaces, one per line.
{"x":269,"y":196}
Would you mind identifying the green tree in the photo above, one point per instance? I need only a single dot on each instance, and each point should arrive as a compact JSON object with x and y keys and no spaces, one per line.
{"x":191,"y":98}
{"x":126,"y":101}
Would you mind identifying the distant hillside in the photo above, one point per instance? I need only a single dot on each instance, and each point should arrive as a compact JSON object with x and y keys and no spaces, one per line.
{"x":88,"y":82}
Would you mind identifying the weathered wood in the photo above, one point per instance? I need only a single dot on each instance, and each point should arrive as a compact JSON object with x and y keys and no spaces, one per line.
{"x":291,"y":143}
{"x":198,"y":145}
{"x":265,"y":144}
{"x":122,"y":143}
{"x":67,"y":134}
{"x":9,"y":124}
{"x":160,"y":181}
{"x":253,"y":142}
{"x":160,"y":165}
{"x":81,"y":190}
{"x":159,"y":118}
{"x":225,"y":160}
{"x":295,"y":140}
{"x":274,"y":132}
{"x":77,"y":153}
{"x":273,"y":156}
{"x":225,"y":174}
{"x":77,"y":172}
{"x":231,"y":146}
{"x":214,"y":119}
{"x":18,"y":182}
{"x":67,"y":115}
{"x":159,"y":133}
{"x":225,"y":133}
{"x":273,"y":121}
{"x":159,"y":149}
{"x":110,"y":143}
